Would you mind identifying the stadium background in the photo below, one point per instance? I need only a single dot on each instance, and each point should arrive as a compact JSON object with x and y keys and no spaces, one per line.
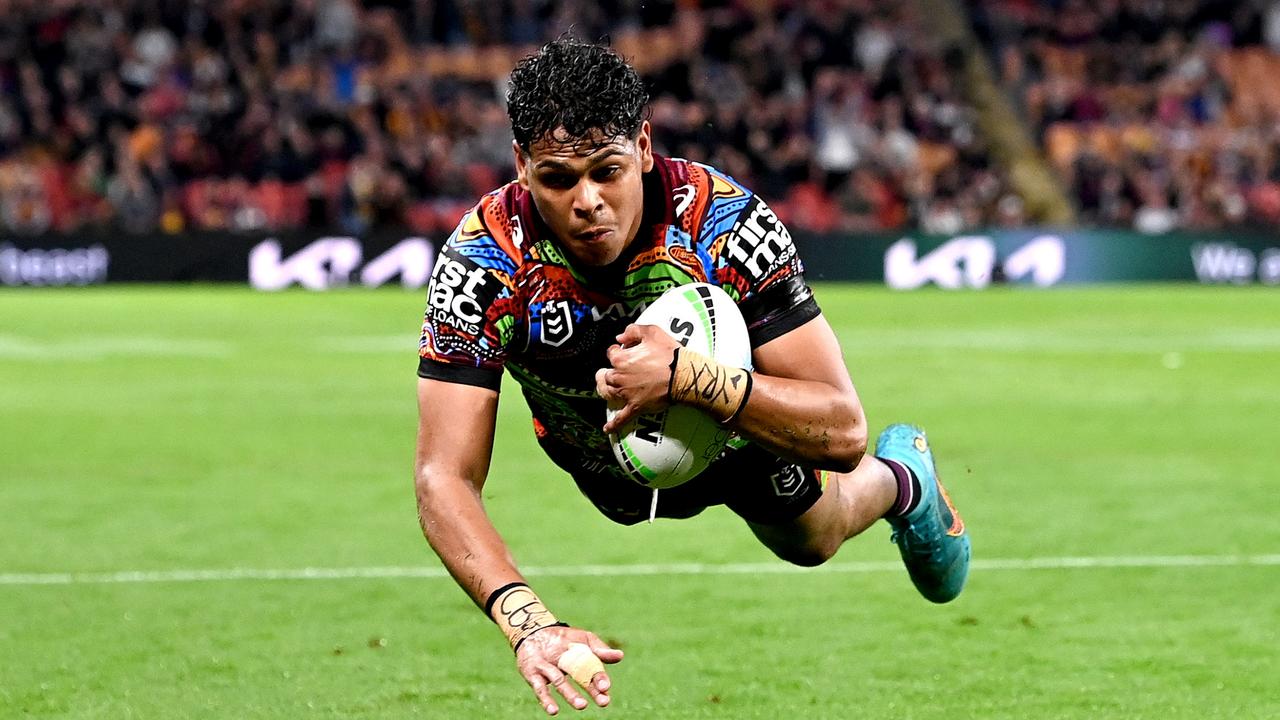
{"x":205,"y":487}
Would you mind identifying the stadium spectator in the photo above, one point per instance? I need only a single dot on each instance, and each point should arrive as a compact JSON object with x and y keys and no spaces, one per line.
{"x":1157,"y":116}
{"x":171,"y":109}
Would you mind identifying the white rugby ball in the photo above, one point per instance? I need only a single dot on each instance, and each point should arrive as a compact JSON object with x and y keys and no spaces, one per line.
{"x":665,"y":449}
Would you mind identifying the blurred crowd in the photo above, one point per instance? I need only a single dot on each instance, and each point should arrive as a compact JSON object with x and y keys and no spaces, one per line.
{"x":1157,"y":114}
{"x":146,"y":115}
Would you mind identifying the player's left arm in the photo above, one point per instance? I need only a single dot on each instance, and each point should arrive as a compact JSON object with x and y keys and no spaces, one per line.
{"x":801,"y":404}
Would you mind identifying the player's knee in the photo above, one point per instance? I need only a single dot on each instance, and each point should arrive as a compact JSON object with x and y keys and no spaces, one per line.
{"x":811,"y":553}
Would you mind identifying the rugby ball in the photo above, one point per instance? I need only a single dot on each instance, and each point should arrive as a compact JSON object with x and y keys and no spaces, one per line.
{"x":665,"y":449}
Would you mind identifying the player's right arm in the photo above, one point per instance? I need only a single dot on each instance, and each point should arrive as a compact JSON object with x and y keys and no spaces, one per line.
{"x":471,"y":309}
{"x":462,"y":350}
{"x":455,"y":444}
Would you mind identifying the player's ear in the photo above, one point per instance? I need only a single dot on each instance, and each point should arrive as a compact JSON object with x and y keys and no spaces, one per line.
{"x":644,"y":146}
{"x":522,"y":165}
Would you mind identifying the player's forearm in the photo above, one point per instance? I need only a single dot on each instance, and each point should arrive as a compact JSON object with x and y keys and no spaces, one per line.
{"x":809,"y":422}
{"x":455,"y":524}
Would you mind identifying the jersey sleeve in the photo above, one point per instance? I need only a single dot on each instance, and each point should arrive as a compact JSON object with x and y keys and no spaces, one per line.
{"x":468,"y":322}
{"x":758,"y":259}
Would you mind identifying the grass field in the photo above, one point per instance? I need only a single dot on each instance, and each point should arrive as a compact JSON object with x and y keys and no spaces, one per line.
{"x":1114,"y":452}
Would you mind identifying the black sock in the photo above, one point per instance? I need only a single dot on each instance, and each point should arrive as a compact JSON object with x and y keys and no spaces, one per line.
{"x":908,"y":489}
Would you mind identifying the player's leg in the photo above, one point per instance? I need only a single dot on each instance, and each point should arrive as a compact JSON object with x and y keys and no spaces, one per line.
{"x":899,"y":483}
{"x":850,"y":503}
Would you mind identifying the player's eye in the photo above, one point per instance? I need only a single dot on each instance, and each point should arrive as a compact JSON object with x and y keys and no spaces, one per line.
{"x":605,"y":173}
{"x":559,"y":181}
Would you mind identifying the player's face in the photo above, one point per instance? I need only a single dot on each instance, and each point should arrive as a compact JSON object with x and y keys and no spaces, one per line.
{"x":593,"y":202}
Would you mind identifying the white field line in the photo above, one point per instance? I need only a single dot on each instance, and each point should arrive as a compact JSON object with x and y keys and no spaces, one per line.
{"x":771,"y":568}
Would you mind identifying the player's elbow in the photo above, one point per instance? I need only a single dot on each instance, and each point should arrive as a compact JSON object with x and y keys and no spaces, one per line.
{"x":848,"y":439}
{"x":433,"y":490}
{"x":424,"y":491}
{"x":422,"y":485}
{"x":848,"y":451}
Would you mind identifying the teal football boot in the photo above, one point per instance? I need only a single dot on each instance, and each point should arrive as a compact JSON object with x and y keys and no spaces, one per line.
{"x":931,"y":538}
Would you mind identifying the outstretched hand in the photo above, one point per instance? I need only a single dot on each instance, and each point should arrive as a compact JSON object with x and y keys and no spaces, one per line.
{"x":551,"y":656}
{"x":638,"y":379}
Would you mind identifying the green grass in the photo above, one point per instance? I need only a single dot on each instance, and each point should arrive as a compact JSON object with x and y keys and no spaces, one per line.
{"x":156,"y":429}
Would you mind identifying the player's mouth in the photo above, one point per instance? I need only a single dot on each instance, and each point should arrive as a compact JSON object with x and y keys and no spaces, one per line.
{"x":594,"y":235}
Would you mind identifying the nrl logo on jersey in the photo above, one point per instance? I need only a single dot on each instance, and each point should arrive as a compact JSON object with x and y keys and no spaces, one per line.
{"x":557,"y":323}
{"x":787,"y":481}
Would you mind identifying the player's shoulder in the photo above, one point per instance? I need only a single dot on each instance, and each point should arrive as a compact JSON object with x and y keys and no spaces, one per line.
{"x":493,"y":229}
{"x":700,"y":195}
{"x":745,"y":239}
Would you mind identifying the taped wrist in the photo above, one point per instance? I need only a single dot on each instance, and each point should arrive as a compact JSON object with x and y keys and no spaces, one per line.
{"x":519,"y":612}
{"x":719,"y":390}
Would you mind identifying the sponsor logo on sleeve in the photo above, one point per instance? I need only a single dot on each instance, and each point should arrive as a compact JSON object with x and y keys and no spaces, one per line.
{"x":461,"y":292}
{"x":759,"y":243}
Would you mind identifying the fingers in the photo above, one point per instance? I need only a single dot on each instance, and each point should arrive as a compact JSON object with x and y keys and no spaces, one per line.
{"x":632,"y":334}
{"x":581,"y":663}
{"x":604,"y":652}
{"x":546,"y":676}
{"x":598,"y":689}
{"x":620,"y":418}
{"x":600,"y":682}
{"x":567,"y":690}
{"x":586,"y":669}
{"x":612,"y":395}
{"x":602,"y":384}
{"x":582,"y":660}
{"x":635,"y":334}
{"x":539,"y":685}
{"x":613,"y":352}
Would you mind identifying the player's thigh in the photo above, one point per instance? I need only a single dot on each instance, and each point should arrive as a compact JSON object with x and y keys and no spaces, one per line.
{"x":809,"y":539}
{"x":850,"y":503}
{"x":762,"y":488}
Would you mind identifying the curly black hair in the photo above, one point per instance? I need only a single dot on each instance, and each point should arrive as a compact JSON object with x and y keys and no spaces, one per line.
{"x":574,"y":92}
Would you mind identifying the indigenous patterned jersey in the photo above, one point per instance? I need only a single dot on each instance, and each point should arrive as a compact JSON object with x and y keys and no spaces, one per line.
{"x":504,"y":294}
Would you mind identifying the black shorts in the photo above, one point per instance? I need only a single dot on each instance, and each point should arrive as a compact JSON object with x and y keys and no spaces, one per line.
{"x":752,"y":482}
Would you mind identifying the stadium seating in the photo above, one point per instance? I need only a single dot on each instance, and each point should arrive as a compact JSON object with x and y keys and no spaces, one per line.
{"x":1155,"y":115}
{"x":848,"y":116}
{"x":268,"y":114}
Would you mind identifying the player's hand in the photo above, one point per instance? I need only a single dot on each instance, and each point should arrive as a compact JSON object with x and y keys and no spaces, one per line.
{"x":543,"y":662}
{"x":639,"y":378}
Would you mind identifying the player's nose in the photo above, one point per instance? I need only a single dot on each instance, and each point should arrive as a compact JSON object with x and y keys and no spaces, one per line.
{"x":588,"y":200}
